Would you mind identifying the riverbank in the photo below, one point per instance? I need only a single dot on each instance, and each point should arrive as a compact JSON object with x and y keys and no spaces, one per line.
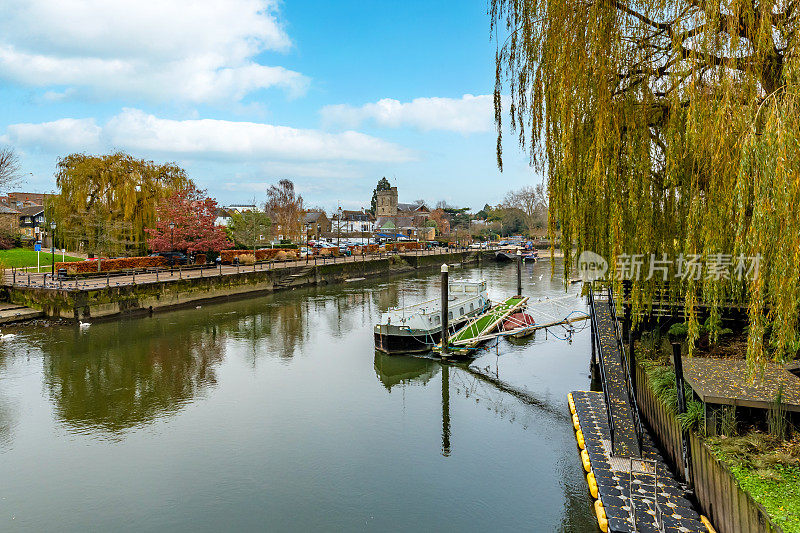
{"x":102,"y":299}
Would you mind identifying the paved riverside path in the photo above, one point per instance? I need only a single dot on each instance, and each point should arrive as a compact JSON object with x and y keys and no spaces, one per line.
{"x":625,"y":441}
{"x":44,"y":280}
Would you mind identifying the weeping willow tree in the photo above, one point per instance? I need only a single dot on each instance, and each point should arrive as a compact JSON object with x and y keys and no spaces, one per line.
{"x":106,"y":202}
{"x":666,"y":127}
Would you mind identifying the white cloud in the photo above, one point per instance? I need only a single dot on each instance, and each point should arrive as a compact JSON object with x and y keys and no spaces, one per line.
{"x":65,"y":134}
{"x":142,"y":133}
{"x":468,"y":114}
{"x":162,"y":50}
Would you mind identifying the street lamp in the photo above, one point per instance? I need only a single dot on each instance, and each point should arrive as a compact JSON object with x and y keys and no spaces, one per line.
{"x":52,"y":249}
{"x":172,"y":236}
{"x":338,"y":225}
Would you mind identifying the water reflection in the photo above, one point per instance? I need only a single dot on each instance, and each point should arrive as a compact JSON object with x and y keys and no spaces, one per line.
{"x":394,"y":370}
{"x":116,"y":382}
{"x":8,"y":409}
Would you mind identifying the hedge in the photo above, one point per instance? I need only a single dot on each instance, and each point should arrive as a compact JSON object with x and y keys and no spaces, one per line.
{"x":110,"y":265}
{"x":229,"y":256}
{"x":402,"y":246}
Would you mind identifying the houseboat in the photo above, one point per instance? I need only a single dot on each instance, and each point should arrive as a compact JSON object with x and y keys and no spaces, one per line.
{"x":416,"y":328}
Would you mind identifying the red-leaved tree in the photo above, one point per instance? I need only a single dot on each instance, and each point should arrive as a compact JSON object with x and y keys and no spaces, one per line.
{"x":193,"y":214}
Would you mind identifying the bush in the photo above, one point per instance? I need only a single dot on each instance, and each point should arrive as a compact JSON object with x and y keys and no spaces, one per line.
{"x":9,"y":240}
{"x":110,"y":265}
{"x":247,"y":259}
{"x":265,"y":254}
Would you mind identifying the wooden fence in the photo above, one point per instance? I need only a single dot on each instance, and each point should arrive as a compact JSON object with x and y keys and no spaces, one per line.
{"x":731,"y":509}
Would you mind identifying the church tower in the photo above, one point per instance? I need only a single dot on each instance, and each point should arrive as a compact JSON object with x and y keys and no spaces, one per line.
{"x":387,"y":203}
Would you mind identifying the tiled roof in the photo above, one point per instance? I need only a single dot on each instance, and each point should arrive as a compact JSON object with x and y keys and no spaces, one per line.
{"x":8,"y":211}
{"x":31,"y":210}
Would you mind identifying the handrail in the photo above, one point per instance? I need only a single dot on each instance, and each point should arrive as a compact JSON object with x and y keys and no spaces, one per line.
{"x":626,"y":366}
{"x":599,"y":347}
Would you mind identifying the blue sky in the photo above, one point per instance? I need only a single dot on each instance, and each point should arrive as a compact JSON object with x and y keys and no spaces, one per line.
{"x":332,"y":95}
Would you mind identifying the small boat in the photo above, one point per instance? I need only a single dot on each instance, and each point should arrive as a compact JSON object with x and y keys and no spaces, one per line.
{"x":517,"y":321}
{"x":416,"y":328}
{"x":527,"y":255}
{"x":483,"y":327}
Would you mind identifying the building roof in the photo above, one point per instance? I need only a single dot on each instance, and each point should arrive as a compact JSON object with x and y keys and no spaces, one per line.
{"x":8,"y":211}
{"x":395,"y":222}
{"x":31,"y":210}
{"x":357,"y":215}
{"x":314,"y":216}
{"x":411,"y":207}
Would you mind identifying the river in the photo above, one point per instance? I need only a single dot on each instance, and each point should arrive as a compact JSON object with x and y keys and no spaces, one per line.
{"x":277,"y":414}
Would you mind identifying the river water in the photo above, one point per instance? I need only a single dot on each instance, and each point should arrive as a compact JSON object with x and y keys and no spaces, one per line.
{"x":277,"y":414}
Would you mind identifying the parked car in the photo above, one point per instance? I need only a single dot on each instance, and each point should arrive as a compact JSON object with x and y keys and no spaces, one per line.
{"x":173,"y":258}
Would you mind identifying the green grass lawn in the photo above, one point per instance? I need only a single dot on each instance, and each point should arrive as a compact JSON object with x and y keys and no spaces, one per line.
{"x":24,"y":257}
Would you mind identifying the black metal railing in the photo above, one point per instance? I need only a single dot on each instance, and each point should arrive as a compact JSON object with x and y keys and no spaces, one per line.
{"x":599,"y":347}
{"x":74,"y":281}
{"x":634,"y":405}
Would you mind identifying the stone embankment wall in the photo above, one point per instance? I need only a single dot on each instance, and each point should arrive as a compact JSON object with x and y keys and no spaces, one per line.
{"x":171,"y":293}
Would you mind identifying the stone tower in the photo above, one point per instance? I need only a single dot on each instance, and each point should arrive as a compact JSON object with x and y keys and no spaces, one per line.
{"x":387,"y":203}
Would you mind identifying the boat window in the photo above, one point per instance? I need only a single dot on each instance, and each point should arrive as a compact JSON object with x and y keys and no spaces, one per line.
{"x":471,"y":306}
{"x":438,"y":320}
{"x":450,"y":315}
{"x":461,"y":311}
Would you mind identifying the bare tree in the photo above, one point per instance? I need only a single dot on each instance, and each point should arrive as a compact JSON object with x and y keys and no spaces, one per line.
{"x":9,"y":168}
{"x":532,"y":201}
{"x":285,"y":208}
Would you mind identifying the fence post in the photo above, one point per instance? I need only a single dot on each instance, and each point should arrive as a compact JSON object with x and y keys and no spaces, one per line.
{"x":180,"y":272}
{"x":134,"y":277}
{"x":678,"y":362}
{"x":156,"y":274}
{"x":201,"y":271}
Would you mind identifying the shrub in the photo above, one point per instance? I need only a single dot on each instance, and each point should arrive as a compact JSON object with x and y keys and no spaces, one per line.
{"x":9,"y":240}
{"x":111,"y":265}
{"x":247,"y":259}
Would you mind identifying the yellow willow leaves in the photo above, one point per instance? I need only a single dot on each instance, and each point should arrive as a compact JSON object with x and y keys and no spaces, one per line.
{"x":106,"y":202}
{"x":666,"y":128}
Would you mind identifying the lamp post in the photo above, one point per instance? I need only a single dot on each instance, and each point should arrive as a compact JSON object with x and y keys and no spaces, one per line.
{"x":172,"y":236}
{"x":52,"y":249}
{"x":338,"y":225}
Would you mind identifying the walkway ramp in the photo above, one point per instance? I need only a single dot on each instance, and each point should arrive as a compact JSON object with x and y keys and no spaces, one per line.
{"x":480,"y":328}
{"x":624,"y":422}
